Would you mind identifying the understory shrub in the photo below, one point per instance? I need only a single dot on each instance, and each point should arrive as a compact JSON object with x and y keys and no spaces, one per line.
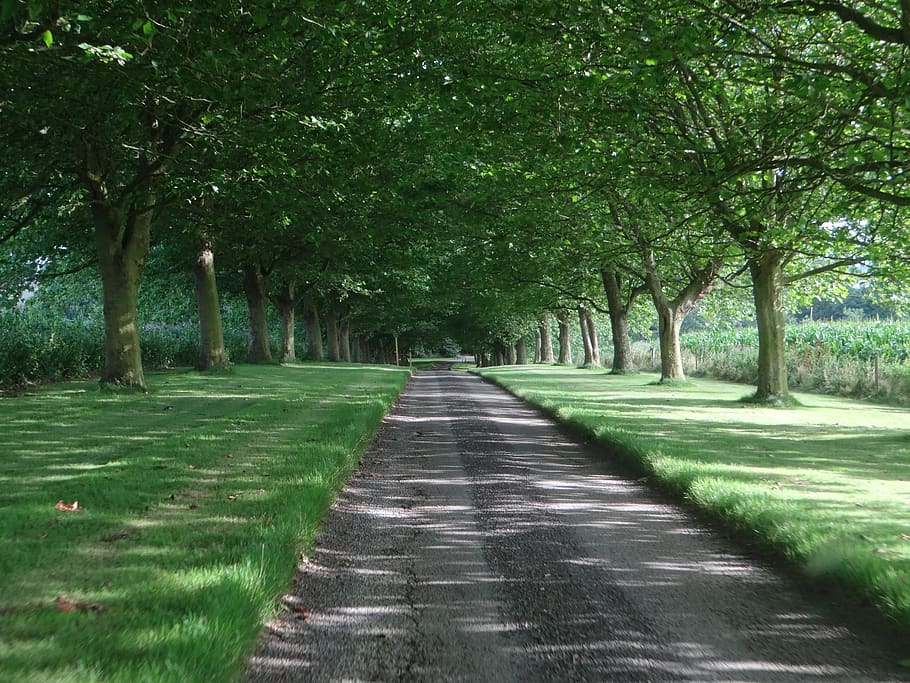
{"x":35,"y":347}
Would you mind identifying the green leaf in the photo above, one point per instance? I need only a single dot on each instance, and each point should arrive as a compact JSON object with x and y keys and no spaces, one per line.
{"x":148,"y":29}
{"x":48,"y":38}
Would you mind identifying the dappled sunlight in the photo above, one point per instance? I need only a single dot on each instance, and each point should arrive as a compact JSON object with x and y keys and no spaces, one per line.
{"x":495,"y":530}
{"x":181,"y":495}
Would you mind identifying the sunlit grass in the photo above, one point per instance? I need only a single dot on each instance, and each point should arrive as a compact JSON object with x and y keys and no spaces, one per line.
{"x":197,"y":499}
{"x":827,"y":484}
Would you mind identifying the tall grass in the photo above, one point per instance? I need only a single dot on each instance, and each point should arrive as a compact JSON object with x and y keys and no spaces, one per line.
{"x":196,"y":501}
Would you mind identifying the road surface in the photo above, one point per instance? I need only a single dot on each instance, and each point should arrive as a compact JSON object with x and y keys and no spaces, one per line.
{"x":477,"y":542}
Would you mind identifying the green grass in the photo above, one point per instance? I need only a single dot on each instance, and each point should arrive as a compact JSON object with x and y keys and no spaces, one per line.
{"x":197,"y":500}
{"x":826,"y":484}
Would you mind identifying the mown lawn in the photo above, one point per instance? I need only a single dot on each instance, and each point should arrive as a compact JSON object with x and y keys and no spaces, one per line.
{"x":827,"y":484}
{"x":195,"y":501}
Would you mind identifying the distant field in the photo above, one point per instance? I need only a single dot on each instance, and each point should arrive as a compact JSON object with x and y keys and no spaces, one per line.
{"x":826,"y":484}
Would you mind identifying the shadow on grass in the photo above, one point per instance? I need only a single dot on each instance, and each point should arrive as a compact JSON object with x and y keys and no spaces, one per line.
{"x":833,"y":472}
{"x":195,"y":500}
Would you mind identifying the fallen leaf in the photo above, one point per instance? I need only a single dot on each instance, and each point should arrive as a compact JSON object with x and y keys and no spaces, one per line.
{"x":194,"y":507}
{"x":293,"y":603}
{"x":68,"y":507}
{"x":65,"y":603}
{"x":905,"y":537}
{"x":228,"y":455}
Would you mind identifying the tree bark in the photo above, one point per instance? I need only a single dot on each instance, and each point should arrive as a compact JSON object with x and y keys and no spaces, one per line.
{"x":122,"y":245}
{"x":212,"y":354}
{"x":671,"y":313}
{"x":565,"y":337}
{"x":538,"y":347}
{"x":521,"y":351}
{"x":586,"y":337}
{"x":619,"y":320}
{"x":546,"y":339}
{"x":592,"y":335}
{"x":123,"y":236}
{"x":286,"y":303}
{"x":333,"y":343}
{"x":344,"y":339}
{"x":498,"y":353}
{"x":255,"y":287}
{"x":313,"y":330}
{"x":767,"y":291}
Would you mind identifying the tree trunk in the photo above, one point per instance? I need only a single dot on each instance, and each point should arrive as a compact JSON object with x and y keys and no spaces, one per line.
{"x":122,"y":245}
{"x":538,"y":348}
{"x":344,"y":339}
{"x":313,"y":330}
{"x":498,"y":354}
{"x":255,"y":286}
{"x":546,"y":339}
{"x":212,"y":354}
{"x":521,"y":351}
{"x":767,"y":291}
{"x":671,"y":313}
{"x":331,"y":334}
{"x":286,"y":303}
{"x":669,"y":322}
{"x":619,"y":321}
{"x":511,"y":355}
{"x":586,"y":337}
{"x":122,"y":239}
{"x":565,"y":337}
{"x":592,"y":335}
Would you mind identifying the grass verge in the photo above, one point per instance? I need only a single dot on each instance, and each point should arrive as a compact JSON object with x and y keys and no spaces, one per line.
{"x":195,"y":501}
{"x":826,"y":484}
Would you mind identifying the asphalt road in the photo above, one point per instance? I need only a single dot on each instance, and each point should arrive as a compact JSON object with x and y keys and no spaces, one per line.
{"x":477,"y":542}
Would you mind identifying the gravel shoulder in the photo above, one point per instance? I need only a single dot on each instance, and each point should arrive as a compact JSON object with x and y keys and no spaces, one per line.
{"x":478,"y":542}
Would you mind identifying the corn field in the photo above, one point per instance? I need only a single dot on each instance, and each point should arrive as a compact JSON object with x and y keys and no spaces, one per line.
{"x":868,"y":359}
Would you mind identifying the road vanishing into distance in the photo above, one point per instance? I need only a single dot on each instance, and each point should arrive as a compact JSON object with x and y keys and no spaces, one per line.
{"x":478,"y":542}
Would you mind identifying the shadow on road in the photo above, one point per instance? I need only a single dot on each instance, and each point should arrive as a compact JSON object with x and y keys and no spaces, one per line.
{"x":477,"y":542}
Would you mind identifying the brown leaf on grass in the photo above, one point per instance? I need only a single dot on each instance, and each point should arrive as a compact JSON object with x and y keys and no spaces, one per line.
{"x":905,"y":537}
{"x":194,"y":507}
{"x":68,"y":507}
{"x":64,"y":603}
